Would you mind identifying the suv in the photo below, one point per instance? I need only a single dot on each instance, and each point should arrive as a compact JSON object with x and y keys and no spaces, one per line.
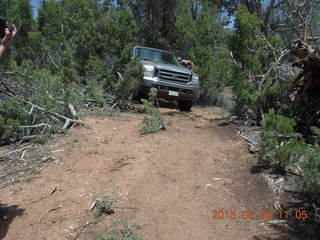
{"x":163,"y":71}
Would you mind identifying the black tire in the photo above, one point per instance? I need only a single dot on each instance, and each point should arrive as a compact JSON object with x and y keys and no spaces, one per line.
{"x":185,"y":105}
{"x":139,"y":96}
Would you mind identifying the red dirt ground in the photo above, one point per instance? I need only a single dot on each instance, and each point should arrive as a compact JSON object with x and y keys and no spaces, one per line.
{"x":176,"y":178}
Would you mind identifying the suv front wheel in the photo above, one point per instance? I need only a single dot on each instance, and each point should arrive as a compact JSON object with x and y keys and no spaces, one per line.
{"x":185,"y":105}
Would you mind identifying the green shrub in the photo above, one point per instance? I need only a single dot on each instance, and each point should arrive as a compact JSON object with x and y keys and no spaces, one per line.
{"x":127,"y":84}
{"x":12,"y":115}
{"x":102,"y":206}
{"x":280,"y":145}
{"x":316,"y":132}
{"x":154,"y":121}
{"x":96,"y":92}
{"x":122,"y":230}
{"x":40,"y":140}
{"x":309,"y":182}
{"x":245,"y":96}
{"x":96,"y":79}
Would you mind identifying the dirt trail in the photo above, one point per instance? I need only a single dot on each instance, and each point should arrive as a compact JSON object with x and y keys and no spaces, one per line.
{"x":176,"y":178}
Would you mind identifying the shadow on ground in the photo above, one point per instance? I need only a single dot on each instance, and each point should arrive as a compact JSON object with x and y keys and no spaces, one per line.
{"x":297,"y":228}
{"x":7,"y":215}
{"x":168,"y":104}
{"x":294,"y":230}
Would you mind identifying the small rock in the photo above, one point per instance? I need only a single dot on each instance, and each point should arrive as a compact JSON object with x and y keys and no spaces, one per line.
{"x":217,"y":179}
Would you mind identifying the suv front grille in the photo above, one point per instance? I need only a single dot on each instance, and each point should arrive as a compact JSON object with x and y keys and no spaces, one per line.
{"x":173,"y":76}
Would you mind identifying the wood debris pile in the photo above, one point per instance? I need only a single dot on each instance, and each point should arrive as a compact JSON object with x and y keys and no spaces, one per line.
{"x":308,"y":81}
{"x":29,"y":112}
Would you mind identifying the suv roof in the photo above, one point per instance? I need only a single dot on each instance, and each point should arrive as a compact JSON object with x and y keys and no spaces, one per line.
{"x":152,"y":48}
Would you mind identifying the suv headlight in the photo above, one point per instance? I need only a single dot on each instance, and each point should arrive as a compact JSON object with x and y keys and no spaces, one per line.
{"x":195,"y":80}
{"x":148,"y":70}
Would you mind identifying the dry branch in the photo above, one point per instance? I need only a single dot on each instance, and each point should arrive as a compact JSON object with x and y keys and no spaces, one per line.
{"x":2,"y":156}
{"x":67,"y":120}
{"x":49,"y":210}
{"x":72,"y":110}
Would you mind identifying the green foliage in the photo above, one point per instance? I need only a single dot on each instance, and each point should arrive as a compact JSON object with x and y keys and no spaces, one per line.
{"x":248,"y":26}
{"x":121,"y":30}
{"x":42,"y":89}
{"x":96,"y":79}
{"x":254,"y":95}
{"x":154,"y":120}
{"x":245,"y":95}
{"x":122,"y":230}
{"x":201,"y":40}
{"x":40,"y":140}
{"x":12,"y":116}
{"x":280,"y":144}
{"x":309,"y":182}
{"x":19,"y":12}
{"x":128,"y":82}
{"x":316,"y":132}
{"x":102,"y":206}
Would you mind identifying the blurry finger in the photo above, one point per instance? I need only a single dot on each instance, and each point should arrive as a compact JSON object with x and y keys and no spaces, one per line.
{"x":14,"y":30}
{"x":7,"y":37}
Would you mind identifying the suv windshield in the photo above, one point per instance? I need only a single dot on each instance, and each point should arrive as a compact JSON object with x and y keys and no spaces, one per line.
{"x":156,"y":56}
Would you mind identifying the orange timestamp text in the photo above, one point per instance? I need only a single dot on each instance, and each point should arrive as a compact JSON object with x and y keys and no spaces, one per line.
{"x":258,"y":214}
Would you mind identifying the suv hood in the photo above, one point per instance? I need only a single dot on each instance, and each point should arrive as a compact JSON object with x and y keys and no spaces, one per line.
{"x":167,"y":66}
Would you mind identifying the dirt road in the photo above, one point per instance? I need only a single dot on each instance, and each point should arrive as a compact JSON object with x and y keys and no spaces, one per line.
{"x":176,"y":179}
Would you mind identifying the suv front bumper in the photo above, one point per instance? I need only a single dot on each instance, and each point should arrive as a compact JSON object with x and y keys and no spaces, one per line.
{"x":188,"y":92}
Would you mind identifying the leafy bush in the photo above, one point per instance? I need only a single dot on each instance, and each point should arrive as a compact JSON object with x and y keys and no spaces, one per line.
{"x":309,"y":182}
{"x":201,"y":41}
{"x":280,"y":145}
{"x":96,"y":79}
{"x":102,"y":206}
{"x":40,"y":139}
{"x":316,"y":134}
{"x":122,"y":230}
{"x":245,"y":96}
{"x":43,"y":89}
{"x":12,"y":115}
{"x":127,"y":84}
{"x":154,"y":120}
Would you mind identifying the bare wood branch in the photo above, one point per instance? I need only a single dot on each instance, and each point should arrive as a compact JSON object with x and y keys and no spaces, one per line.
{"x":37,"y":125}
{"x":13,"y":152}
{"x":247,"y":139}
{"x":16,"y":73}
{"x":72,"y":110}
{"x":53,"y":62}
{"x":49,"y":210}
{"x":67,"y":120}
{"x":120,"y":76}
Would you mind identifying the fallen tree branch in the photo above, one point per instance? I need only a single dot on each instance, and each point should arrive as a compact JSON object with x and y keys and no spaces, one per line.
{"x":49,"y":210}
{"x":120,"y":76}
{"x":13,"y":152}
{"x":83,"y":229}
{"x":72,"y":110}
{"x":68,"y":121}
{"x":37,"y":125}
{"x":6,"y":87}
{"x":247,"y":139}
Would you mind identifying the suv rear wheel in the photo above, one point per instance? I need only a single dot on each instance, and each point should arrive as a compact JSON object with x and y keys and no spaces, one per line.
{"x":185,"y":105}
